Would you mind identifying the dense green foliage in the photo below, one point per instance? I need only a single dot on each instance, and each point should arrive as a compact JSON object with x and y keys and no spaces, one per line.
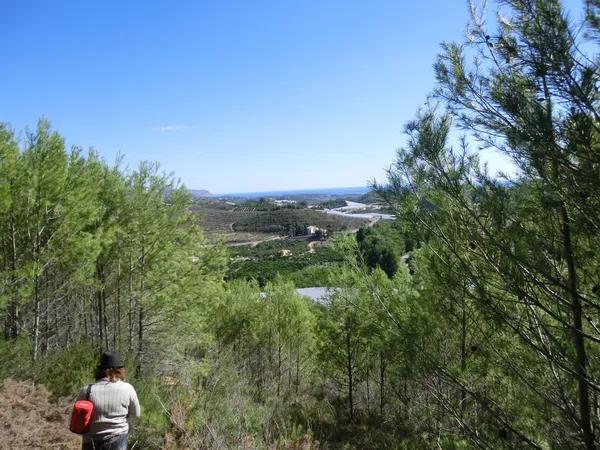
{"x":379,"y":247}
{"x":508,"y":265}
{"x":471,"y":322}
{"x":89,"y":253}
{"x":331,"y":204}
{"x":306,"y":263}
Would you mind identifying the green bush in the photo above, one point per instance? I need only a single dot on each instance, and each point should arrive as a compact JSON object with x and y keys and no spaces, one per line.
{"x":65,"y":372}
{"x":15,"y":358}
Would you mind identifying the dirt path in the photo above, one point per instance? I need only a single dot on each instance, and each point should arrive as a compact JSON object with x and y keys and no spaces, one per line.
{"x":255,"y":242}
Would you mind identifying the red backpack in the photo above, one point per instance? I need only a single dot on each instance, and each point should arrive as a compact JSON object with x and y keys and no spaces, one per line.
{"x":81,"y":417}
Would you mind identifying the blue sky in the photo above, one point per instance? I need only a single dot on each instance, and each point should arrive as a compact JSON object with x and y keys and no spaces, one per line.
{"x":230,"y":96}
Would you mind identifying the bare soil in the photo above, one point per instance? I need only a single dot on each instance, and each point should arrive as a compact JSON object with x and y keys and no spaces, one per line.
{"x":30,"y":419}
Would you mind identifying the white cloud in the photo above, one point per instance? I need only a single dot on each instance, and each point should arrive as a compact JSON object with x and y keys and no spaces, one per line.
{"x":169,"y":128}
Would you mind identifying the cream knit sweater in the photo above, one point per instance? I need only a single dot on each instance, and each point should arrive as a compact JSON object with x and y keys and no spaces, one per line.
{"x":113,"y":403}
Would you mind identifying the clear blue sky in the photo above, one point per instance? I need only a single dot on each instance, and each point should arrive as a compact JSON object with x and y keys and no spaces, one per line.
{"x":230,"y":96}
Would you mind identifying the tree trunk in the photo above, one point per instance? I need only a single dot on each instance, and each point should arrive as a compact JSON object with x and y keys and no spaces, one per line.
{"x":130,"y":310}
{"x":368,"y":375}
{"x":381,"y":383}
{"x":104,"y":318}
{"x":45,"y":319}
{"x":278,"y":366}
{"x":140,"y":349}
{"x":576,"y":308}
{"x":36,"y":319}
{"x":463,"y":351}
{"x":349,"y":375}
{"x":98,"y":295}
{"x":117,"y":325}
{"x":297,"y":369}
{"x":578,"y":339}
{"x":12,"y":329}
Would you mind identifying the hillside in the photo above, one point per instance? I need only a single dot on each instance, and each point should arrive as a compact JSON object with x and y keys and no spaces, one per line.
{"x":252,"y":220}
{"x":31,"y":420}
{"x":285,"y":221}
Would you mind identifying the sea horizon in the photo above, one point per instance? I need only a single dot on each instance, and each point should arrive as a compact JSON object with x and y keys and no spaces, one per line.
{"x":351,"y":190}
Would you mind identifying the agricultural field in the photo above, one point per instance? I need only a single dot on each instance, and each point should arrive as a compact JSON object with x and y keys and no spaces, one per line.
{"x":284,"y":221}
{"x":267,"y":239}
{"x":306,"y":263}
{"x":253,"y":222}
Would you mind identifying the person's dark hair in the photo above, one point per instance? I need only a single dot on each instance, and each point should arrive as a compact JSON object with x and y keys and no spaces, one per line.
{"x":113,"y":374}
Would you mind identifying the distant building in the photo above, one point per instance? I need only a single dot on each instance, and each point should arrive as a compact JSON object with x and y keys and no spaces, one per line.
{"x":312,"y":229}
{"x":284,"y":202}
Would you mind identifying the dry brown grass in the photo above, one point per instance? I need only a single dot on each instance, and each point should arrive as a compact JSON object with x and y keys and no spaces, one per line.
{"x":30,"y":420}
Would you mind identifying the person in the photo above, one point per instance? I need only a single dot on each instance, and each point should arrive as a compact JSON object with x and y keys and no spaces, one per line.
{"x":114,"y":402}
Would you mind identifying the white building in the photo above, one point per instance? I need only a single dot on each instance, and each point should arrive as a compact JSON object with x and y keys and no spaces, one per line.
{"x":312,"y":229}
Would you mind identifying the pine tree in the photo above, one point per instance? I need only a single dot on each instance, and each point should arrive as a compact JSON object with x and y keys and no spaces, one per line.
{"x":521,"y":245}
{"x":9,"y":171}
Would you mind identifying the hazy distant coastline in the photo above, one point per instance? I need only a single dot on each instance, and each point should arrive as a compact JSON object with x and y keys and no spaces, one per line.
{"x":339,"y":191}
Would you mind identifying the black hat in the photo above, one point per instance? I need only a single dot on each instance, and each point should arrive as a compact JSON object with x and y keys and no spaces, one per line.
{"x":110,"y":360}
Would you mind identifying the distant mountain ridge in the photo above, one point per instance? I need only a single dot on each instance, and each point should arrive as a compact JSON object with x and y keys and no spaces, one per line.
{"x":195,"y":193}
